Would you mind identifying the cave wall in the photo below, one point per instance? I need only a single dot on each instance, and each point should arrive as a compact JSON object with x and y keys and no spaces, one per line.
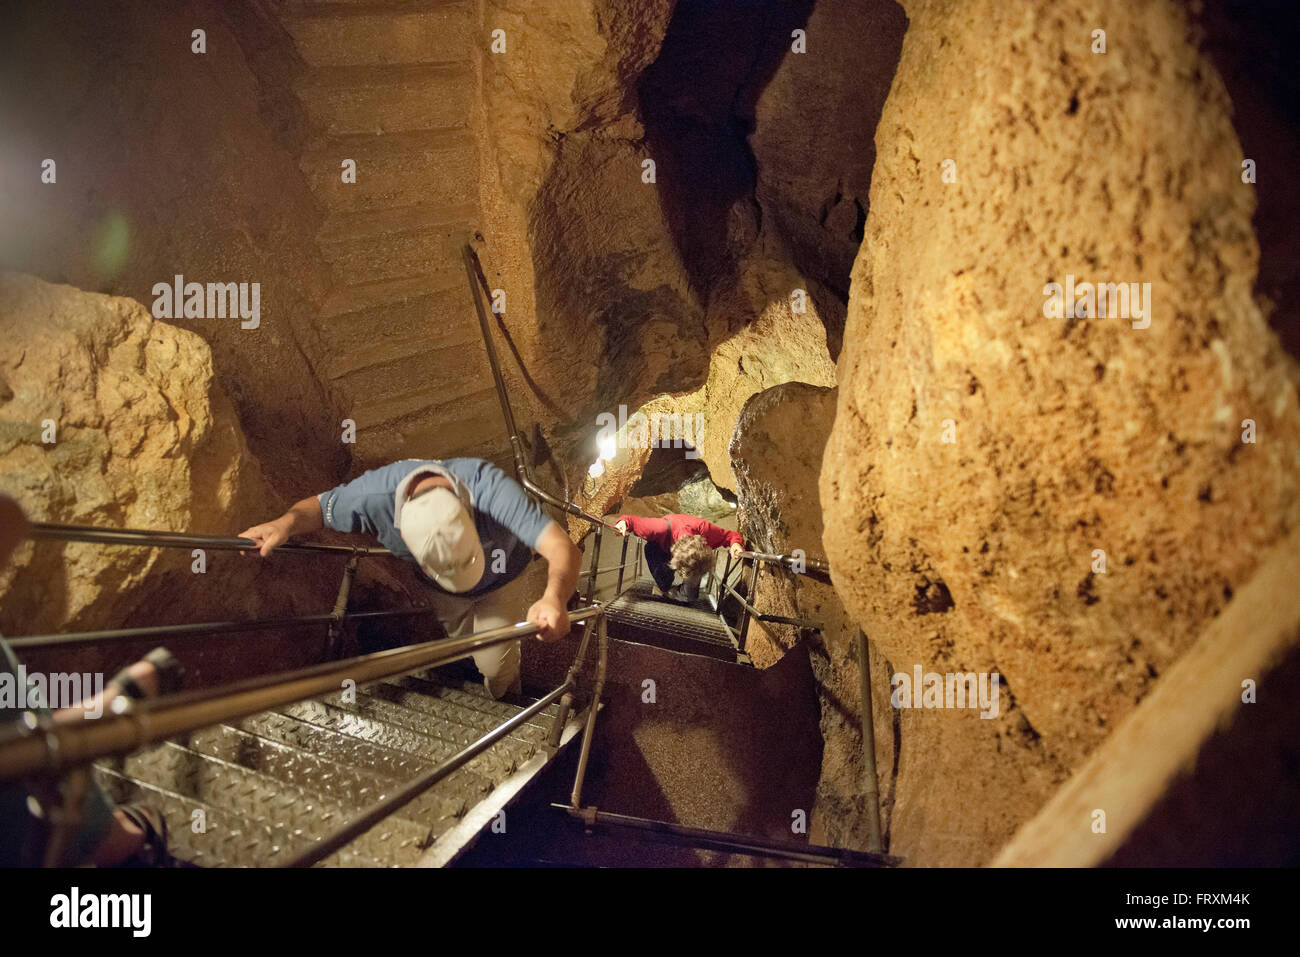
{"x":111,"y":418}
{"x":680,"y":292}
{"x":1069,"y":435}
{"x":168,"y":162}
{"x":172,"y":162}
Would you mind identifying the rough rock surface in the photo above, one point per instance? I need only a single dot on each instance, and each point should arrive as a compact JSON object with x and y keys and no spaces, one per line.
{"x":776,"y":454}
{"x":139,"y":436}
{"x":1069,"y":436}
{"x":635,"y":285}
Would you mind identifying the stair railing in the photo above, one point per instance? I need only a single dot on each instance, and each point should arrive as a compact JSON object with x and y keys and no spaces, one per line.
{"x":48,"y":748}
{"x":474,"y":272}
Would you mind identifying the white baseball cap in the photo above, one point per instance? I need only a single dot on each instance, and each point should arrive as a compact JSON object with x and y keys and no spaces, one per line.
{"x":440,"y":533}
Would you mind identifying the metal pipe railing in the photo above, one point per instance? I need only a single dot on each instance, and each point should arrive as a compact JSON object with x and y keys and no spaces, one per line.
{"x":595,"y":570}
{"x":622,"y":564}
{"x":744,"y":620}
{"x":729,"y":842}
{"x":189,"y":629}
{"x":522,"y":471}
{"x":722,"y":582}
{"x":154,"y":538}
{"x":566,"y":702}
{"x":600,"y":571}
{"x":25,"y":750}
{"x":789,"y":561}
{"x":340,"y":613}
{"x":588,"y":732}
{"x":871,"y":786}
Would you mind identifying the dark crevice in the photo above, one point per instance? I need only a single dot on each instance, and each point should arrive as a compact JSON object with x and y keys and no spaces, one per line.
{"x":697,"y":102}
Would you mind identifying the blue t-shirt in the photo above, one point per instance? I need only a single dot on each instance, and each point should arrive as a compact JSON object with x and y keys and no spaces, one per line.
{"x":508,"y":521}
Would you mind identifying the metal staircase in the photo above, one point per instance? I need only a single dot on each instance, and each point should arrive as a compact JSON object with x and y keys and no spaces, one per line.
{"x":247,"y":792}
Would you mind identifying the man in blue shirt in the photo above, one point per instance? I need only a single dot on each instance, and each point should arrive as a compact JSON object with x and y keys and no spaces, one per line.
{"x":470,"y":528}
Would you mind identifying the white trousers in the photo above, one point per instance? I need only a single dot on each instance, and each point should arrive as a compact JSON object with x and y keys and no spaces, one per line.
{"x":462,"y":616}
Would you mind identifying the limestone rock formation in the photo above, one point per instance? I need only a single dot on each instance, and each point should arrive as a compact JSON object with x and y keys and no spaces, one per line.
{"x":635,"y":282}
{"x":110,"y":418}
{"x":1063,"y":499}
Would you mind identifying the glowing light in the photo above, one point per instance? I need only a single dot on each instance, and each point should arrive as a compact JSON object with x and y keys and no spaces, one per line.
{"x":608,"y":447}
{"x":732,"y":504}
{"x":112,"y":246}
{"x":597,"y":469}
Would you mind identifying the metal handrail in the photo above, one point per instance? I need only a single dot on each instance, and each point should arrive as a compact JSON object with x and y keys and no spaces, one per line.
{"x":25,"y":749}
{"x":154,"y":538}
{"x":188,"y":629}
{"x":522,"y":470}
{"x":608,"y":568}
{"x":728,"y":842}
{"x":789,"y":561}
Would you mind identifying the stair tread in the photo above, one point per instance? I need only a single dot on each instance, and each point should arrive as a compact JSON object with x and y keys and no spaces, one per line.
{"x":346,"y":300}
{"x":256,"y":796}
{"x":302,"y":9}
{"x":392,"y":351}
{"x":382,"y":33}
{"x":359,"y":226}
{"x":402,"y":407}
{"x":350,"y":76}
{"x":322,"y":773}
{"x":228,"y":839}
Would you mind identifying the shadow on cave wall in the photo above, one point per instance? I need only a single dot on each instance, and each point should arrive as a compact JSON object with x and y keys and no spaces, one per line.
{"x":796,"y":166}
{"x":763,"y":161}
{"x":1255,"y":44}
{"x":697,"y":102}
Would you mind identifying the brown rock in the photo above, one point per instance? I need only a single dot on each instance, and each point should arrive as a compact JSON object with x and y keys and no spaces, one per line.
{"x":142,"y":437}
{"x":1071,"y":436}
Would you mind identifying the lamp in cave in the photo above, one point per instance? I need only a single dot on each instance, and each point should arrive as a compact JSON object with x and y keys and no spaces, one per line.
{"x":597,"y":469}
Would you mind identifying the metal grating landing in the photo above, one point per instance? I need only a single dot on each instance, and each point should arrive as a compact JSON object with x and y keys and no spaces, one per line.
{"x":641,"y":616}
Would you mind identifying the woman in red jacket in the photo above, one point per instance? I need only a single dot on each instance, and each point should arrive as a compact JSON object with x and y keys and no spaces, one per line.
{"x":679,"y":543}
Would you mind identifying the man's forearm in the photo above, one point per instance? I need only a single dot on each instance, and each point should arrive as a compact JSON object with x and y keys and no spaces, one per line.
{"x":561,"y":582}
{"x":303,"y":517}
{"x":562,"y":560}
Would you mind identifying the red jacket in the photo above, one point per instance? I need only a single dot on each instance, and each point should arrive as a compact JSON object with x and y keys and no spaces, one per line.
{"x":656,"y":530}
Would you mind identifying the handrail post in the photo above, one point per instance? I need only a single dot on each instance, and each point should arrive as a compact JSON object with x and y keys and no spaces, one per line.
{"x":721,"y":583}
{"x":566,"y":702}
{"x":595,"y":566}
{"x":622,"y":566}
{"x":340,"y":608}
{"x":63,"y":806}
{"x":871,"y":786}
{"x":584,"y":755}
{"x":752,"y":597}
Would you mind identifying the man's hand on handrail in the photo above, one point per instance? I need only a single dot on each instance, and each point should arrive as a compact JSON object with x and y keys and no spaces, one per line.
{"x":304,"y":516}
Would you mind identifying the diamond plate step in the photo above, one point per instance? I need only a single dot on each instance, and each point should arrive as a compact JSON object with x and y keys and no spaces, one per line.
{"x":355,"y":790}
{"x":302,"y":816}
{"x":226,"y":838}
